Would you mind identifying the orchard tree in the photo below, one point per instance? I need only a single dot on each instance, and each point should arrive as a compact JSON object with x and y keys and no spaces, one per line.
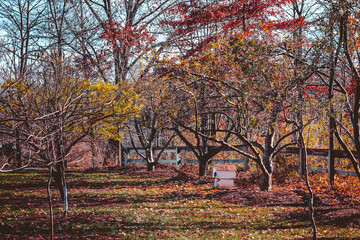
{"x":261,"y":89}
{"x":255,"y":82}
{"x":193,"y":116}
{"x":345,"y":75}
{"x":299,"y":42}
{"x":194,"y":123}
{"x":150,"y":126}
{"x":57,"y":112}
{"x":198,"y":23}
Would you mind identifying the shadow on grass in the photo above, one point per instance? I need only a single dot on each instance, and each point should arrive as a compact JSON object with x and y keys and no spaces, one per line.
{"x":130,"y":226}
{"x":138,"y":180}
{"x":101,"y":221}
{"x":324,"y":216}
{"x":74,"y":226}
{"x":258,"y":198}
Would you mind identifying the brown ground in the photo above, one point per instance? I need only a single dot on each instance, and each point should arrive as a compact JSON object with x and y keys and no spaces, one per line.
{"x":341,"y":214}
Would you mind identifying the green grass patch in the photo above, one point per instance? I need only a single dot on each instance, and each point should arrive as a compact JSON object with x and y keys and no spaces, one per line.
{"x":127,"y":207}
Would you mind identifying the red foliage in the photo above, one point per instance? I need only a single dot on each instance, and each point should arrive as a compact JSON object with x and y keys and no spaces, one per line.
{"x":286,"y":24}
{"x":225,"y":18}
{"x":318,"y":90}
{"x":129,"y":39}
{"x":89,"y":64}
{"x":351,"y":89}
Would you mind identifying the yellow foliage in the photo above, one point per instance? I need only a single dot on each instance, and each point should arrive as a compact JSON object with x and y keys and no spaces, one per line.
{"x":119,"y":104}
{"x":77,"y":103}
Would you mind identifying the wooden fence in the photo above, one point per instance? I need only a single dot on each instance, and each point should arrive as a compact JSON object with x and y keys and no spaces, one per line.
{"x":290,"y":150}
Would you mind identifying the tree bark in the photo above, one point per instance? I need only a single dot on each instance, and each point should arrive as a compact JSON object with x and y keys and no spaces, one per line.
{"x":331,"y":157}
{"x":202,"y":167}
{"x":150,"y":159}
{"x":57,"y":174}
{"x":50,"y":203}
{"x":93,"y":153}
{"x":266,"y":181}
{"x":267,"y":161}
{"x":63,"y":181}
{"x":18,"y":158}
{"x":311,"y":194}
{"x":151,"y":166}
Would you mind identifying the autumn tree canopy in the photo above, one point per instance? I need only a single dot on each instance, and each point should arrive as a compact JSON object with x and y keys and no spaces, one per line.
{"x":218,"y":73}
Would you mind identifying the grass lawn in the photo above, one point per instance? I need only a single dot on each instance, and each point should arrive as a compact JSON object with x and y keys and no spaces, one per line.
{"x":132,"y":204}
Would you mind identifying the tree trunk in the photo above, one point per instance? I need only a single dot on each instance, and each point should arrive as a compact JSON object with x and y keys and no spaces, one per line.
{"x":151,"y":166}
{"x":18,"y":149}
{"x":266,"y":178}
{"x":268,"y":159}
{"x":50,"y":203}
{"x":150,"y":159}
{"x":311,"y":194}
{"x":301,"y":146}
{"x":58,"y":177}
{"x":60,"y":181}
{"x":266,"y":182}
{"x":93,"y":154}
{"x":331,"y":157}
{"x":246,"y":159}
{"x":202,"y":167}
{"x":63,"y":181}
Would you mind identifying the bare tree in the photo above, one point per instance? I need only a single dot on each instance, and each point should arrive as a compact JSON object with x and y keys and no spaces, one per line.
{"x":21,"y":21}
{"x":129,"y":29}
{"x":146,"y":129}
{"x":345,"y":17}
{"x":196,"y":117}
{"x":57,"y":112}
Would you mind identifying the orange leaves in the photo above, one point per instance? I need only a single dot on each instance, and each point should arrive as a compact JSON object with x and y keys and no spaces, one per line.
{"x":346,"y":189}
